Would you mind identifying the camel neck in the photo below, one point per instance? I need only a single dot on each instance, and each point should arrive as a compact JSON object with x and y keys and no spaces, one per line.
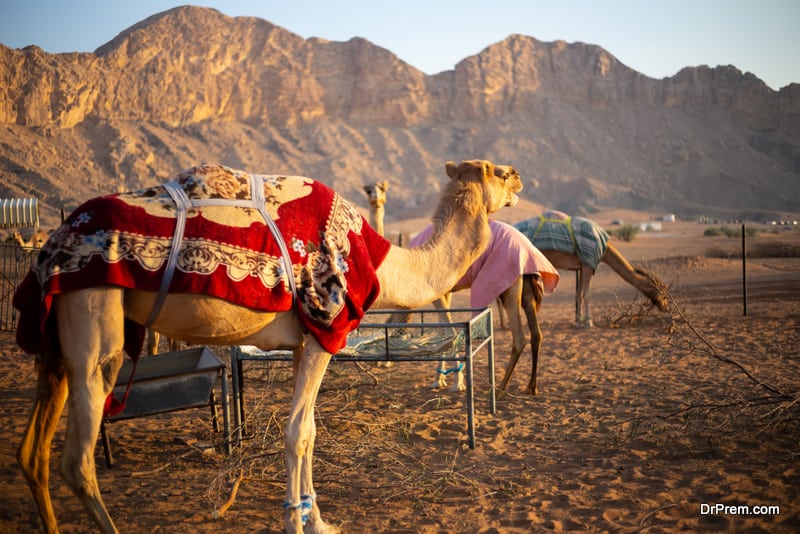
{"x":376,"y":218}
{"x":421,"y":275}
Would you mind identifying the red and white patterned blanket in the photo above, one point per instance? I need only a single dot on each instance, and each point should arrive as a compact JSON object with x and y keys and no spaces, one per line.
{"x":227,"y":251}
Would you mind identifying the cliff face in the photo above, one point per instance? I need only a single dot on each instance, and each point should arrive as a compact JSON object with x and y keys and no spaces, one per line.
{"x":191,"y":85}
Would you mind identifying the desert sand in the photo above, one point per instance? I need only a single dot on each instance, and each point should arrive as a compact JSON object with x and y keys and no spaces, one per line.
{"x":643,"y":424}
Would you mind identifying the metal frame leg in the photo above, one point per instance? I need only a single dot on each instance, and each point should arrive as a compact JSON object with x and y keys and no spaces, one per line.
{"x":106,"y":445}
{"x":238,"y":408}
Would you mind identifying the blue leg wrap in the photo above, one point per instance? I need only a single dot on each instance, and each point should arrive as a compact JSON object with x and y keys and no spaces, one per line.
{"x":305,"y":505}
{"x":457,"y":369}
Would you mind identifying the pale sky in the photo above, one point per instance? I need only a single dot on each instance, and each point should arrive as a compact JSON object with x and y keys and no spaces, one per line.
{"x":656,"y":38}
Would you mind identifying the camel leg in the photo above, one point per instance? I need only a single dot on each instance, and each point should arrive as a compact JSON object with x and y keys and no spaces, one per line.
{"x":500,"y":313}
{"x":153,"y":338}
{"x":530,"y":303}
{"x":585,"y":281}
{"x":511,"y":302}
{"x":93,"y":354}
{"x":300,"y":504}
{"x":33,"y":454}
{"x":440,"y":381}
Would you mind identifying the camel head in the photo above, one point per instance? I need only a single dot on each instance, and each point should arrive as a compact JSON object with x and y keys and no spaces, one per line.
{"x":658,"y":290}
{"x":499,"y":183}
{"x":36,"y":241}
{"x":376,"y":193}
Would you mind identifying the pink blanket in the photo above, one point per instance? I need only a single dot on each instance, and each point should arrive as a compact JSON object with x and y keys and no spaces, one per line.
{"x":509,"y":255}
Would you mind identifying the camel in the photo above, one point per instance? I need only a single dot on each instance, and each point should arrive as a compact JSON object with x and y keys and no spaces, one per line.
{"x":376,"y":193}
{"x":514,"y":273}
{"x":579,"y":245}
{"x":36,"y":241}
{"x":84,"y":337}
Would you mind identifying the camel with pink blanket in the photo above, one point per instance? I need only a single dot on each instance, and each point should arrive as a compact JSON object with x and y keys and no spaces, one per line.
{"x":512,"y":270}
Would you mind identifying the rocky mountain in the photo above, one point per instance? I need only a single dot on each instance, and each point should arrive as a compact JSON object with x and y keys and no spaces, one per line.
{"x":192,"y":85}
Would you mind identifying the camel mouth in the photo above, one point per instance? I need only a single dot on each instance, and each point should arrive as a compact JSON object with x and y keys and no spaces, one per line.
{"x":512,"y":200}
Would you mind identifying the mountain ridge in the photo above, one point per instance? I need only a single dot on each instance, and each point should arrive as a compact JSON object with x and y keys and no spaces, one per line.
{"x":192,"y":85}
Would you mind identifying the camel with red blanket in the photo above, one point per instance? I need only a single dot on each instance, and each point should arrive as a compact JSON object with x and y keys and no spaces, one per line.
{"x":308,"y":282}
{"x":512,"y":271}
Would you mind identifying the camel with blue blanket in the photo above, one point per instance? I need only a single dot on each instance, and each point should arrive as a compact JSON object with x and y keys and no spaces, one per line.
{"x":578,"y":244}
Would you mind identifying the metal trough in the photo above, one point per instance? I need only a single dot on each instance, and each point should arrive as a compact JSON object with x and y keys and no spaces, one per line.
{"x":169,"y":382}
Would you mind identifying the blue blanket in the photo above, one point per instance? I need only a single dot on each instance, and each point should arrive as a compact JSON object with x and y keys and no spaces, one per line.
{"x":554,"y":230}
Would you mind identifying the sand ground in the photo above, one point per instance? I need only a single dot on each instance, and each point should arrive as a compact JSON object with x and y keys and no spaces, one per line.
{"x":641,"y":424}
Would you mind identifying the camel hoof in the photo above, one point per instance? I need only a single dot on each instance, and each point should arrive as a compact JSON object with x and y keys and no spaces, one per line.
{"x":320,"y":527}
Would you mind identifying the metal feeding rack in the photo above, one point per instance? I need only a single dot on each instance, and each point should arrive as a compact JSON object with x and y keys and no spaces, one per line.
{"x":396,"y":336}
{"x":168,"y":382}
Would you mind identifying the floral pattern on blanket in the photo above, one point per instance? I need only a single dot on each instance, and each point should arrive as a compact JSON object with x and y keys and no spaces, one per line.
{"x":227,"y":250}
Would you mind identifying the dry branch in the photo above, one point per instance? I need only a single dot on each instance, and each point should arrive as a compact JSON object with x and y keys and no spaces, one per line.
{"x":715,"y":354}
{"x":219,"y":512}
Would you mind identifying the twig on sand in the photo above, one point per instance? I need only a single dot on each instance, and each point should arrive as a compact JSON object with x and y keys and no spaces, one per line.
{"x":786,"y":401}
{"x":715,"y":354}
{"x":219,"y":512}
{"x":366,"y":372}
{"x":654,"y":512}
{"x":161,"y":467}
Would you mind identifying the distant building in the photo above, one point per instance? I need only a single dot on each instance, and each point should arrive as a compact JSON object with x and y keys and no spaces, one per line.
{"x":650,"y":226}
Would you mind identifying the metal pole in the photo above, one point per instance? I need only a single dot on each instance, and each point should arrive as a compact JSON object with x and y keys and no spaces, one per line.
{"x":744,"y":271}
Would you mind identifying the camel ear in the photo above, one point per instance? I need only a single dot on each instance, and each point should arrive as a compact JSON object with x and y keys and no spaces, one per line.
{"x":385,"y":185}
{"x":450,"y":167}
{"x":487,"y":169}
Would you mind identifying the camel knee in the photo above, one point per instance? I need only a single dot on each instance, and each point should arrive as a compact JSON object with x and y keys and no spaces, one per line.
{"x":35,"y":471}
{"x":298,"y":439}
{"x":79,"y":474}
{"x":296,"y":446}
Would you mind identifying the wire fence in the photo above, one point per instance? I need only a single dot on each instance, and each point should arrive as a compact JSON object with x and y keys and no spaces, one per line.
{"x":14,"y":264}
